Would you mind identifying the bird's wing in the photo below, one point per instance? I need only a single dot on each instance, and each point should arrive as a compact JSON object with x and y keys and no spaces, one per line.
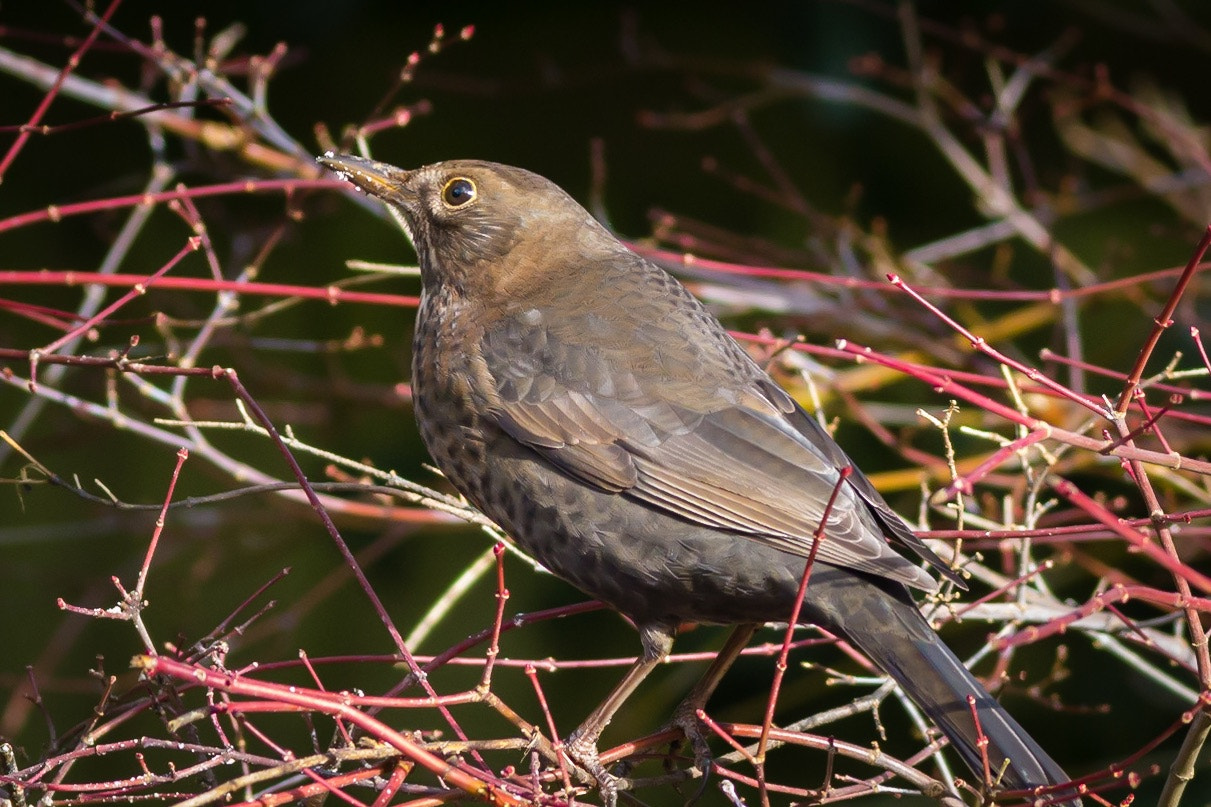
{"x":739,"y":456}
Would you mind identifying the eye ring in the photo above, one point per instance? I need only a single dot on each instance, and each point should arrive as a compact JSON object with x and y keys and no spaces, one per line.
{"x":459,"y":191}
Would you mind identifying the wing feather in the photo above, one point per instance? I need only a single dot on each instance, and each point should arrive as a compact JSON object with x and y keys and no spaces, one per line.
{"x":729,"y":450}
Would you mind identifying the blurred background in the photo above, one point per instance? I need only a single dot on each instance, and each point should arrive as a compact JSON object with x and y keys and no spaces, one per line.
{"x":772,"y":134}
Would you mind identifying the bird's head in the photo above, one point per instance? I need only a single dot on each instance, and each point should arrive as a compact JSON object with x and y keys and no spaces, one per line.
{"x":465,"y":217}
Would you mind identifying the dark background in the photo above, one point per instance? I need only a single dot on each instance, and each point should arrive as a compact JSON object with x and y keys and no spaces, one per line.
{"x":536,"y":84}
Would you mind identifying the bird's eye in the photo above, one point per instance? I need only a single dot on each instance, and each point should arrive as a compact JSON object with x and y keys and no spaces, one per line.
{"x":458,"y":192}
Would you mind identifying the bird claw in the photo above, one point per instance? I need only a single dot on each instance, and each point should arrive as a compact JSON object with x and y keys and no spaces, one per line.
{"x":686,"y":719}
{"x":582,"y":751}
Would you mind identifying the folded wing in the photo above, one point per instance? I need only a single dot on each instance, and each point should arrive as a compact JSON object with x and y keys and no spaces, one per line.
{"x":729,"y":450}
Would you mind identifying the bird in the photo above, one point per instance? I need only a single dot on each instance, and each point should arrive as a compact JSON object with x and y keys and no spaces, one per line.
{"x":586,"y":402}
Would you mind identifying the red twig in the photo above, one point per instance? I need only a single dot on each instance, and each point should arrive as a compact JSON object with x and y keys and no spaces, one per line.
{"x":161,"y":520}
{"x":943,"y":384}
{"x":335,"y":704}
{"x":1134,"y":537}
{"x":55,"y":213}
{"x":399,"y":773}
{"x":1150,"y":424}
{"x":957,"y":615}
{"x":981,"y":740}
{"x":1190,"y":393}
{"x":1198,"y":343}
{"x":1117,"y":593}
{"x":332,"y":293}
{"x":331,"y":785}
{"x":138,"y":289}
{"x":727,"y":738}
{"x":965,"y":483}
{"x":502,"y":597}
{"x":1054,"y":295}
{"x":1162,"y":323}
{"x":532,"y":674}
{"x":221,"y":628}
{"x":73,"y":62}
{"x":982,"y":346}
{"x":780,"y":667}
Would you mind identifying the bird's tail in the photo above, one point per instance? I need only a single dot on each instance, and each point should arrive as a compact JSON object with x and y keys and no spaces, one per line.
{"x":891,"y":631}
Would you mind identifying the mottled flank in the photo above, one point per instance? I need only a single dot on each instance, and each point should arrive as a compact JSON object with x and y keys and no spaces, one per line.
{"x":587,"y":403}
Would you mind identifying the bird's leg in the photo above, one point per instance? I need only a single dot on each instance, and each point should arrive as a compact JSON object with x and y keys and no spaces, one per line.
{"x":581,"y":746}
{"x":685,"y":717}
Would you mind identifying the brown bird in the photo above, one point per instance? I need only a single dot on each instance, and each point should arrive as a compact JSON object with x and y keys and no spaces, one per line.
{"x":586,"y":402}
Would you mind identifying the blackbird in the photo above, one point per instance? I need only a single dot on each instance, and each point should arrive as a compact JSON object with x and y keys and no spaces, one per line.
{"x":586,"y":402}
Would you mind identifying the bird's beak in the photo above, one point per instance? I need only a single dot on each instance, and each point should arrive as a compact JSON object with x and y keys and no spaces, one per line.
{"x":377,"y":179}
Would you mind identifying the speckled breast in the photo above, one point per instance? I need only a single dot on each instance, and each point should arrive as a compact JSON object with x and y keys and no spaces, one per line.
{"x":652,"y":566}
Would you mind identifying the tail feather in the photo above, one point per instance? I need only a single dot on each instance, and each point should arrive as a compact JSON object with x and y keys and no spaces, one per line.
{"x":883,"y":623}
{"x":943,"y":696}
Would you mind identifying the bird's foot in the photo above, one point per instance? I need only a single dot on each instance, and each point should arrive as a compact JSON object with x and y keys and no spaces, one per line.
{"x":686,"y":719}
{"x":582,"y":751}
